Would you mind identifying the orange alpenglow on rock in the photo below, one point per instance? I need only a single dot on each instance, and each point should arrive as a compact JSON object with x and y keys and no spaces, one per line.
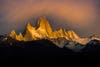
{"x":44,"y":31}
{"x":15,"y":36}
{"x":30,"y":33}
{"x":44,"y":28}
{"x":19,"y":37}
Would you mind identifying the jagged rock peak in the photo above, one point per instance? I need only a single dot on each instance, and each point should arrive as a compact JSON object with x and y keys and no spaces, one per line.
{"x":29,"y":26}
{"x":13,"y":34}
{"x":42,"y":22}
{"x":44,"y":27}
{"x":43,"y":18}
{"x":19,"y":37}
{"x":72,"y":35}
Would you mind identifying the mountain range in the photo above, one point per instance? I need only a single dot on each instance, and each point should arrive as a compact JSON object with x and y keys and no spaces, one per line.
{"x":61,"y":37}
{"x":48,"y":46}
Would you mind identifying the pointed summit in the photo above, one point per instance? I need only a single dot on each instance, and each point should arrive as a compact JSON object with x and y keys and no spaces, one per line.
{"x":44,"y":27}
{"x":41,"y":22}
{"x":29,"y":26}
{"x":74,"y":35}
{"x":61,"y":32}
{"x":71,"y":35}
{"x":19,"y":37}
{"x":31,"y":33}
{"x":13,"y":34}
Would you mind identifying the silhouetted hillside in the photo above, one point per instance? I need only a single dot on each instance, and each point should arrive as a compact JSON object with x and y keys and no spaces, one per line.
{"x":33,"y":48}
{"x":45,"y":52}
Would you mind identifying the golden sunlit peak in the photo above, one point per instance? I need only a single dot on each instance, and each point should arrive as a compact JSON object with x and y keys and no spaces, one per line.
{"x":13,"y":34}
{"x":61,"y":29}
{"x":42,"y":20}
{"x":19,"y":37}
{"x":28,"y":24}
{"x":44,"y":31}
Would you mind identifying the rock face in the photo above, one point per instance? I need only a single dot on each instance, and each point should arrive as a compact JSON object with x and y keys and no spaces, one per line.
{"x":44,"y":31}
{"x":15,"y":36}
{"x":31,"y":33}
{"x":19,"y":37}
{"x":44,"y":28}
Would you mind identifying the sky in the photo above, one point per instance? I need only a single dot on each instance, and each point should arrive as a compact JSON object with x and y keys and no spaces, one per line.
{"x":82,"y":16}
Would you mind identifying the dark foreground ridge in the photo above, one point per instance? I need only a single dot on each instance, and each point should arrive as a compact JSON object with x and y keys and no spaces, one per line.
{"x":45,"y":52}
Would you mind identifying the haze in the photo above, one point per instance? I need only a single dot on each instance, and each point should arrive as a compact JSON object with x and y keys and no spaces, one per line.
{"x":83,"y":16}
